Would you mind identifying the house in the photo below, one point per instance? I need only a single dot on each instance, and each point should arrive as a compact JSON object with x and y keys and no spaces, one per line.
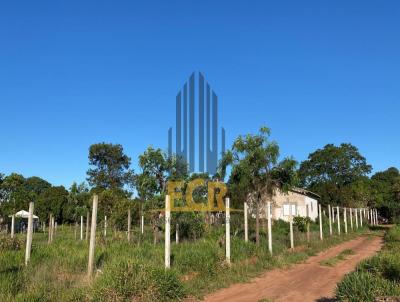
{"x":296,"y":202}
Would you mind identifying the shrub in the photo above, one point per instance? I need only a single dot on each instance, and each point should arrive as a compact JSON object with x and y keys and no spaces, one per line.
{"x":301,"y":223}
{"x":204,"y":257}
{"x":10,"y":244}
{"x":393,"y":235}
{"x":131,"y":281}
{"x":385,"y":264}
{"x":364,"y":286}
{"x":191,"y":225}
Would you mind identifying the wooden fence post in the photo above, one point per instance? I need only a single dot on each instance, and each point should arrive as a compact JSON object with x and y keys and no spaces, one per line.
{"x":92,"y":236}
{"x":246,"y":226}
{"x":330,"y":219}
{"x":29,"y":235}
{"x":291,"y":228}
{"x":53,"y":226}
{"x":129,"y":225}
{"x":269,"y":216}
{"x":356,"y":215}
{"x":177,"y":233}
{"x":167,"y":232}
{"x":351,"y":218}
{"x":50,"y":220}
{"x":338,"y":219}
{"x":307,"y":224}
{"x":105,"y":226}
{"x":12,"y":225}
{"x":87,"y":225}
{"x":321,"y":235}
{"x":142,"y":224}
{"x":81,"y":227}
{"x":345,"y":220}
{"x":361,"y":218}
{"x":76,"y":230}
{"x":227,"y":231}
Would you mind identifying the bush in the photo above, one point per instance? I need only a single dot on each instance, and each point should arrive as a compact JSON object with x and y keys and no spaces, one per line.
{"x":131,"y":281}
{"x":377,"y":276}
{"x":301,"y":223}
{"x":364,"y":286}
{"x":191,"y":225}
{"x":385,"y":264}
{"x":393,"y":235}
{"x":204,"y":257}
{"x":10,"y":244}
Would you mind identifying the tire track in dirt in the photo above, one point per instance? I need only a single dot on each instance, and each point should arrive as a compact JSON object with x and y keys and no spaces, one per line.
{"x":308,"y":281}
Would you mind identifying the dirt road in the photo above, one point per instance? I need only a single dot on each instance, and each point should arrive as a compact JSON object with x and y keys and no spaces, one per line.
{"x":303,"y":282}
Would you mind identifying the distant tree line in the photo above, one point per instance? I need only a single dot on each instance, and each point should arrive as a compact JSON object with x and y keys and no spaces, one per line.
{"x":252,"y":168}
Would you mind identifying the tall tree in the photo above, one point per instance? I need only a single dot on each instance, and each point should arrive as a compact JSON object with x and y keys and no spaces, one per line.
{"x":256,"y":172}
{"x":110,"y":167}
{"x":52,"y":200}
{"x":332,"y":171}
{"x":151,"y":183}
{"x":385,"y":188}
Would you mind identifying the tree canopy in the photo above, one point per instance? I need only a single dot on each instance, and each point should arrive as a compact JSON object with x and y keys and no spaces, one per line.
{"x":332,"y":171}
{"x":256,"y":170}
{"x":110,"y":166}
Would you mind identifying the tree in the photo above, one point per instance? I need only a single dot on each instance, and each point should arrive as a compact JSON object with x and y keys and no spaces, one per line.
{"x":156,"y":168}
{"x":36,"y":184}
{"x":332,"y":171}
{"x":256,"y":173}
{"x":110,"y":166}
{"x":385,"y":187}
{"x":52,"y":200}
{"x":78,"y":202}
{"x":15,"y":195}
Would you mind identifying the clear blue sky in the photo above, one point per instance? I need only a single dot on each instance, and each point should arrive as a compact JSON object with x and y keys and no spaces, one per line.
{"x":73,"y":73}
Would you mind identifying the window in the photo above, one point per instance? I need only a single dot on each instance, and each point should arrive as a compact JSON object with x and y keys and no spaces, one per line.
{"x":287,"y":208}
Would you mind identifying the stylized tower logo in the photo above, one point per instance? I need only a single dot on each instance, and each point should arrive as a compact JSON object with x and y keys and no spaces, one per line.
{"x":207,"y":101}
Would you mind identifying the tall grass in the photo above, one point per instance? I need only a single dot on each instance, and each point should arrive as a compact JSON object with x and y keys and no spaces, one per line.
{"x":377,"y":276}
{"x":135,"y":271}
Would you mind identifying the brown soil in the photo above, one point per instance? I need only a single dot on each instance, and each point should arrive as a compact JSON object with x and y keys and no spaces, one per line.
{"x":308,"y":281}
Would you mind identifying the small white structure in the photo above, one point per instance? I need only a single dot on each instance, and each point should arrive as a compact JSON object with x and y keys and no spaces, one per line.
{"x":24,"y":214}
{"x":296,"y":202}
{"x":21,"y":221}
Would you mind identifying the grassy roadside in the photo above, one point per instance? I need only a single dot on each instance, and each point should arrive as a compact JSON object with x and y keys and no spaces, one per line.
{"x":378,"y":276}
{"x":136,"y":272}
{"x":334,"y":260}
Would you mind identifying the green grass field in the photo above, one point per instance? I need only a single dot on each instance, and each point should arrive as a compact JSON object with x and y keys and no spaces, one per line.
{"x":378,"y":276}
{"x":135,"y":271}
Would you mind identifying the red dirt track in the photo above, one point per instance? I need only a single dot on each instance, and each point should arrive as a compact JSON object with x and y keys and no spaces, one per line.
{"x":308,"y":281}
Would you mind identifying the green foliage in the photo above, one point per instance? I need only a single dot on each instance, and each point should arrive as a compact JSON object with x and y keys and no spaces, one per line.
{"x":333,"y":171}
{"x":191,"y":225}
{"x":109,"y":166}
{"x":256,"y":173}
{"x":10,"y":244}
{"x":334,"y":260}
{"x":301,"y":223}
{"x":385,"y":186}
{"x":364,"y":286}
{"x":52,"y":200}
{"x":132,"y":281}
{"x":377,"y":276}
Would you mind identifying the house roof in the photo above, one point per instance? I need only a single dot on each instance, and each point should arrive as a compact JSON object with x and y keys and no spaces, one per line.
{"x":24,"y":214}
{"x":305,"y":192}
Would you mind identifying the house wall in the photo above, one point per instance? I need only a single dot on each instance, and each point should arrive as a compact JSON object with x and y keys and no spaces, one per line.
{"x":296,"y":202}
